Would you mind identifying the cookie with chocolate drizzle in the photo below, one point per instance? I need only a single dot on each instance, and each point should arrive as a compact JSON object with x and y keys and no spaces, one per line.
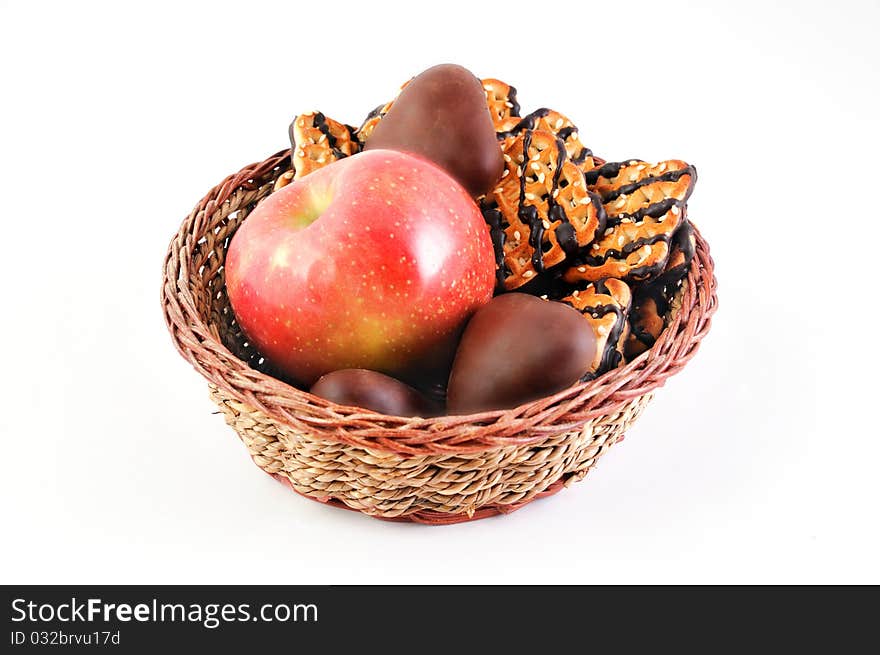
{"x":501,"y":98}
{"x":646,"y":322}
{"x":645,"y":205}
{"x":366,"y":129}
{"x":558,"y":124}
{"x":654,"y":301}
{"x":316,"y":141}
{"x":541,"y":212}
{"x":605,"y":305}
{"x":683,"y":247}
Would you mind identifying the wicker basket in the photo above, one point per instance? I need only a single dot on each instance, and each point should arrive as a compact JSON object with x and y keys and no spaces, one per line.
{"x":439,"y":470}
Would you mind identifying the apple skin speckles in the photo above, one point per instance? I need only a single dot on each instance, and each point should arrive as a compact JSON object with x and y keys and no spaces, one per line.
{"x":343,"y":281}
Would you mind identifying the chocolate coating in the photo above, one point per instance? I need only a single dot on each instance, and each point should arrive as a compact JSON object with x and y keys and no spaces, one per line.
{"x":516,"y":349}
{"x":358,"y":387}
{"x":442,"y":115}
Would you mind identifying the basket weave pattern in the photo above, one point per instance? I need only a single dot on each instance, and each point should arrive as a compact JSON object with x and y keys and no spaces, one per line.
{"x":438,"y":470}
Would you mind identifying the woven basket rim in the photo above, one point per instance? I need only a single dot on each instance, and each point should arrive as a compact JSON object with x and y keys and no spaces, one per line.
{"x":200,"y":344}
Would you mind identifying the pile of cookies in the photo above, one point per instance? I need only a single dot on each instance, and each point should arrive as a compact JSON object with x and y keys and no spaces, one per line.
{"x":610,"y":239}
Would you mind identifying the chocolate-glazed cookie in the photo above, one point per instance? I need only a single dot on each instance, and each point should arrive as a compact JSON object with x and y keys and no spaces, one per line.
{"x":654,"y":300}
{"x":683,"y":246}
{"x":550,"y":120}
{"x":369,"y":124}
{"x":605,"y":305}
{"x":316,"y":141}
{"x":644,"y":204}
{"x":541,"y":212}
{"x":646,"y":321}
{"x":502,"y":103}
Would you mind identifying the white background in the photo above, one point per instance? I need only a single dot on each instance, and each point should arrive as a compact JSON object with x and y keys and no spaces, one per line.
{"x":756,"y":464}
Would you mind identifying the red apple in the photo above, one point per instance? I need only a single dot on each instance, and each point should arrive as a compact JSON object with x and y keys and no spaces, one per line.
{"x":375,"y":261}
